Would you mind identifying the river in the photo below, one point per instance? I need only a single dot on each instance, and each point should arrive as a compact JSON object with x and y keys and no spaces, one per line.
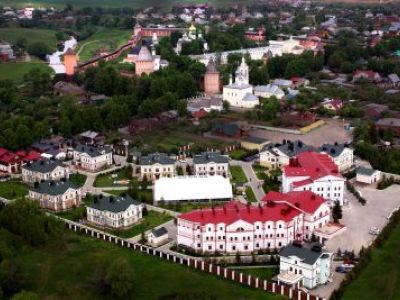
{"x":54,"y":59}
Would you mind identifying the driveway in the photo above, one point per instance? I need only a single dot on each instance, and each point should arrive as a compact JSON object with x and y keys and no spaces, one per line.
{"x":359,"y":219}
{"x":254,"y":182}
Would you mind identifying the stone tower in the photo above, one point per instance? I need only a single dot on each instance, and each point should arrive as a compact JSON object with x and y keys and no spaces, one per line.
{"x":144,"y":62}
{"x":70,"y":62}
{"x":242,"y":73}
{"x":211,"y":78}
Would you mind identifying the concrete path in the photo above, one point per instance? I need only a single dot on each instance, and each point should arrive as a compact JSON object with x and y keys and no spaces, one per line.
{"x":254,"y":182}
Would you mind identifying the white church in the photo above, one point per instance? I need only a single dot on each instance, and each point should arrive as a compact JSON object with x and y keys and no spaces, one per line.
{"x":240,"y":92}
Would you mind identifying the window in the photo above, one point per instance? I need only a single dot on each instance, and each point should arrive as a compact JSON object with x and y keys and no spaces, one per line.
{"x":198,"y":245}
{"x":233,"y":248}
{"x":209,"y":247}
{"x":221,"y":246}
{"x":246,"y":247}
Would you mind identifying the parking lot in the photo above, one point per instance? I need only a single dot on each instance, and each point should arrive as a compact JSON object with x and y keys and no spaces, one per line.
{"x":331,"y":132}
{"x":359,"y":219}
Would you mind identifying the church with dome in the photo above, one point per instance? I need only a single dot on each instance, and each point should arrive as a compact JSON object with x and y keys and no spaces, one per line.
{"x":240,"y":93}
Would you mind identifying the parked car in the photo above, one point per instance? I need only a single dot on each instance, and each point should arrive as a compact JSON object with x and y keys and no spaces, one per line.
{"x":374,"y":231}
{"x":345,"y":268}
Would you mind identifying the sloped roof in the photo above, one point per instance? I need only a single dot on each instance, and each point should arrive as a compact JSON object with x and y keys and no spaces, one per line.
{"x":332,"y":150}
{"x":211,"y":67}
{"x":144,"y":54}
{"x":156,"y":158}
{"x":53,"y":187}
{"x":159,"y":231}
{"x":92,"y":151}
{"x":307,"y":256}
{"x":43,"y":165}
{"x":113,"y":204}
{"x":207,"y":157}
{"x":313,"y":165}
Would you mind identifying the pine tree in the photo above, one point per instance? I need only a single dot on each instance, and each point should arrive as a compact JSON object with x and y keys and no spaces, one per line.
{"x":337,"y":212}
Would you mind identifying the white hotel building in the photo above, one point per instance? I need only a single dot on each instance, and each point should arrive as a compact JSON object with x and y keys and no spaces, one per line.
{"x":236,"y":227}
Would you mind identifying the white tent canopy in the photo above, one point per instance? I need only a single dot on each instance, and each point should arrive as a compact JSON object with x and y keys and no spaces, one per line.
{"x":192,"y":188}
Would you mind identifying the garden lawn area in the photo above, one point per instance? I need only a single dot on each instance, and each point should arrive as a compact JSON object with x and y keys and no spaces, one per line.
{"x":151,"y":220}
{"x":259,"y":170}
{"x":13,"y":189}
{"x":263,"y":273}
{"x":78,"y":179}
{"x":16,"y":70}
{"x":109,"y":38}
{"x":106,"y":180}
{"x":237,"y":174}
{"x":251,"y":197}
{"x":380,"y":279}
{"x":237,"y":154}
{"x":69,"y":272}
{"x":31,"y":35}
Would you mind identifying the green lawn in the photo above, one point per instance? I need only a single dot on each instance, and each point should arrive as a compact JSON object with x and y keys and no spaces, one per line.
{"x":16,"y":70}
{"x":259,"y":170}
{"x":78,"y":179}
{"x":13,"y":189}
{"x":70,"y":272}
{"x":238,"y":174}
{"x":109,"y":38}
{"x":106,"y":180}
{"x":237,"y":154}
{"x":31,"y":35}
{"x":251,"y":197}
{"x":263,"y":273}
{"x":151,"y":220}
{"x":380,"y":279}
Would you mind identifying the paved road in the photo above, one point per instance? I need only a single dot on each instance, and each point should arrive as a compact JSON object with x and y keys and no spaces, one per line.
{"x":254,"y":182}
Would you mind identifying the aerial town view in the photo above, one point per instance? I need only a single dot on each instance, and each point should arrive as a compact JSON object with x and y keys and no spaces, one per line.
{"x":205,"y":150}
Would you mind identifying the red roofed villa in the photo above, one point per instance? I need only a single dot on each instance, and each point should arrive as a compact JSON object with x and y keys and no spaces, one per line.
{"x":11,"y":162}
{"x":236,"y":227}
{"x":316,"y":172}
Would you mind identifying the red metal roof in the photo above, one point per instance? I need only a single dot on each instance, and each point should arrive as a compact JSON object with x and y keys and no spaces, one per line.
{"x":305,"y":200}
{"x":276,"y":207}
{"x":312,"y":165}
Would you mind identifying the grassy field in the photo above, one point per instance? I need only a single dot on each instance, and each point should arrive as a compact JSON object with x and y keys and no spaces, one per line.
{"x":151,"y":220}
{"x":380,"y":279}
{"x":109,"y":38}
{"x":237,"y":154}
{"x":69,"y":273}
{"x":31,"y":35}
{"x":16,"y":71}
{"x":106,"y":180}
{"x":237,"y":174}
{"x":13,"y":189}
{"x":264,"y":273}
{"x":78,"y":179}
{"x":251,"y":197}
{"x":259,"y":170}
